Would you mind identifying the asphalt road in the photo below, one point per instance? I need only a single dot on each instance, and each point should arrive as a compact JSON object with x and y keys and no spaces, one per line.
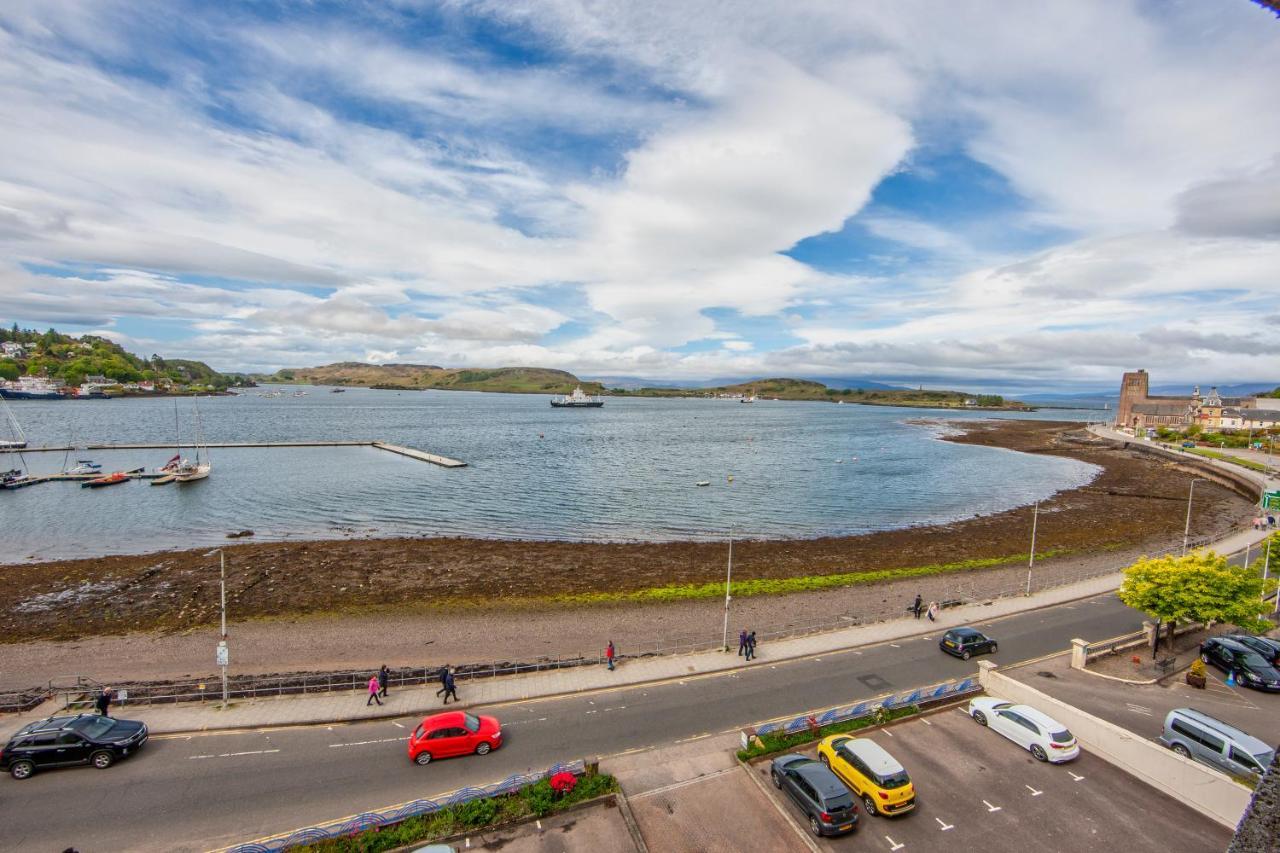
{"x":213,"y":790}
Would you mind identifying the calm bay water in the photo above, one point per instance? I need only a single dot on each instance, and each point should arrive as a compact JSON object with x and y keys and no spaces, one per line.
{"x":624,"y":472}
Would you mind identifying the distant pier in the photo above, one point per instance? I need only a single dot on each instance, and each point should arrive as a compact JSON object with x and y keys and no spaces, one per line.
{"x":420,"y":455}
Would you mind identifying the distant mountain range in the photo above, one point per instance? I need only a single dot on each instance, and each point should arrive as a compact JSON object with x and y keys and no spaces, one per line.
{"x":632,"y":383}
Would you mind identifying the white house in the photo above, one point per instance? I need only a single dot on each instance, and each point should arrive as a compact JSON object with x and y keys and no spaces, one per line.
{"x":12,"y":349}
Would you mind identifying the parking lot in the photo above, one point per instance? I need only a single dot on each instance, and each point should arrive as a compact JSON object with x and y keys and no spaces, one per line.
{"x":1141,"y":708}
{"x":979,"y":791}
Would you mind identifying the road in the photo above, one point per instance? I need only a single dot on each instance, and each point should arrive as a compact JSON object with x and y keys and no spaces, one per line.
{"x":212,"y":790}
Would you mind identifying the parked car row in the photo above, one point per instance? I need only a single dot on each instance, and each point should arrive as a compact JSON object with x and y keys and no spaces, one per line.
{"x":1254,"y":661}
{"x":851,"y":769}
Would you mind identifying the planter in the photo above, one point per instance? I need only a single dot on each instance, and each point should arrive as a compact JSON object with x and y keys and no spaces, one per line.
{"x":1197,"y":681}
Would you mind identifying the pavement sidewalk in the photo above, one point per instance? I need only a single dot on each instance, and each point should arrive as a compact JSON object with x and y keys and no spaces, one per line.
{"x":346,"y":706}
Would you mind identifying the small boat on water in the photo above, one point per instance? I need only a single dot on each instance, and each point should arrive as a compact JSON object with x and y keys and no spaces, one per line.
{"x":703,"y":483}
{"x":110,"y":479}
{"x":337,"y":390}
{"x":15,"y":479}
{"x":84,"y":466}
{"x":197,"y":472}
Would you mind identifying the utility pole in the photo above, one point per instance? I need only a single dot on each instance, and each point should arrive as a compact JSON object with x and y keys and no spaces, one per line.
{"x":1035,"y":517}
{"x":1186,"y":530}
{"x":728,"y":579}
{"x":224,"y":656}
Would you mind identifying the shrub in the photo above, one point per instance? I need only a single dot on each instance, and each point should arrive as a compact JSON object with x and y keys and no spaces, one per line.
{"x":478,"y":812}
{"x":540,"y":797}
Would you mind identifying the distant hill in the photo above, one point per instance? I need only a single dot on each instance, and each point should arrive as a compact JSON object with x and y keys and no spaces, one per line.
{"x":69,"y":360}
{"x":512,"y":380}
{"x":808,"y":389}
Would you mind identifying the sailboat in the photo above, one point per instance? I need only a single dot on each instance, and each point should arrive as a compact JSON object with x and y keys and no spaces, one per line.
{"x":17,"y":440}
{"x":177,"y":465}
{"x":199,"y":470}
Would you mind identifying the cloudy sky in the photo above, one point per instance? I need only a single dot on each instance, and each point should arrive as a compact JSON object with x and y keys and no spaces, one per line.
{"x":1046,"y":194}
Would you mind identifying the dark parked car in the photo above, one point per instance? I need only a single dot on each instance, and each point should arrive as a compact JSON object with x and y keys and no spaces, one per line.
{"x":964,"y":643}
{"x":1265,"y":646}
{"x":79,"y":739}
{"x":819,"y":793}
{"x":1250,"y":668}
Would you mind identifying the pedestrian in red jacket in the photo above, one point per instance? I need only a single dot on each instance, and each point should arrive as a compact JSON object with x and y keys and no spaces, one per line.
{"x":608,"y":655}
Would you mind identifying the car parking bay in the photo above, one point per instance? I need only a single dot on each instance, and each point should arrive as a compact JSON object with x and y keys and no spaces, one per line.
{"x":978,"y":790}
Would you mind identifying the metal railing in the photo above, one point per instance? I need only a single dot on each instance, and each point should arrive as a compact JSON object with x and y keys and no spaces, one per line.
{"x":947,"y":690}
{"x":391,"y":816}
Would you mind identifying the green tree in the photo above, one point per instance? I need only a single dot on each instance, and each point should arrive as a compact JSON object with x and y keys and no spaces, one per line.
{"x":1199,"y":587}
{"x":10,"y":369}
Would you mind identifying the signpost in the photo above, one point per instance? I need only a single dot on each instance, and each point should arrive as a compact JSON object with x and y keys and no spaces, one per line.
{"x":1271,"y":500}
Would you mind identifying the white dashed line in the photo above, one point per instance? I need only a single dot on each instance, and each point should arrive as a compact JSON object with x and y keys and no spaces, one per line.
{"x":889,"y":733}
{"x":1139,"y":709}
{"x":1074,"y":776}
{"x":1033,"y":791}
{"x":893,"y":845}
{"x":367,"y":742}
{"x":397,"y":725}
{"x":926,"y":722}
{"x":236,"y":754}
{"x":990,"y":807}
{"x":895,"y":646}
{"x":943,"y":825}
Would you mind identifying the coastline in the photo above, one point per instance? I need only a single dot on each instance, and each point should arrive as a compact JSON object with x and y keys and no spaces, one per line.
{"x":1134,"y":503}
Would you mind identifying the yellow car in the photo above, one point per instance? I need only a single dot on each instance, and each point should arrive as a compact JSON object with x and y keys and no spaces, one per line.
{"x":870,"y":772}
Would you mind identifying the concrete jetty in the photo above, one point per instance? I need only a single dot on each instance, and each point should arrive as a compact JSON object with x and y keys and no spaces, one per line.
{"x":420,"y":455}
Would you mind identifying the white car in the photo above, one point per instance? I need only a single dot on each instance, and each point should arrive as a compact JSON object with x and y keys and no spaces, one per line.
{"x":1045,"y":737}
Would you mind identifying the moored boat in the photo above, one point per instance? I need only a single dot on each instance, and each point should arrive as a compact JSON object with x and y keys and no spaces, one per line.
{"x":31,"y":388}
{"x":109,"y":480}
{"x":577,"y":400}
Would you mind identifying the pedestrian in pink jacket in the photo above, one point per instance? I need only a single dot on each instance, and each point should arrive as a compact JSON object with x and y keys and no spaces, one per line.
{"x":373,"y":692}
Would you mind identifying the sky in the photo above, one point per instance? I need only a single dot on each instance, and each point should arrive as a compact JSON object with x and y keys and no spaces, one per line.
{"x":973,"y":193}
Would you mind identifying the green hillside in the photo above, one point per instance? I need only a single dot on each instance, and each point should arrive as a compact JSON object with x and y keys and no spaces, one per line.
{"x":512,"y":380}
{"x":804,"y":389}
{"x":68,"y":359}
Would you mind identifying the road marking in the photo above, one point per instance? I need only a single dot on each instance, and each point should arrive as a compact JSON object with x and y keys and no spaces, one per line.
{"x":943,"y":825}
{"x":990,"y":807}
{"x":539,"y":825}
{"x":526,"y":722}
{"x":926,"y":722}
{"x":236,"y":754}
{"x":894,"y":646}
{"x":397,"y":725}
{"x":1074,"y":776}
{"x":366,"y":742}
{"x":674,"y":785}
{"x":1138,"y":709}
{"x":886,"y":731}
{"x":858,"y":653}
{"x":591,"y":712}
{"x":893,"y":845}
{"x":1033,"y":791}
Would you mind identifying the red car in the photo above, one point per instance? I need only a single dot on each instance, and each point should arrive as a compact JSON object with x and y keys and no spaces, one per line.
{"x":453,"y":733}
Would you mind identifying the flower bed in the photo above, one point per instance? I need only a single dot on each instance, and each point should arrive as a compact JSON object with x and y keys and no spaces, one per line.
{"x":779,"y":742}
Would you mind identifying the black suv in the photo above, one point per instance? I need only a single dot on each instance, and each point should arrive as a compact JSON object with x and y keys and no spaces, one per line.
{"x":964,"y":643}
{"x":820,"y":794}
{"x":1251,"y":669}
{"x":81,"y":739}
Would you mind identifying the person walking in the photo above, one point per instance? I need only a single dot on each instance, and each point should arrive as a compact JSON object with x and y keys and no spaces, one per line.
{"x":443,"y":676}
{"x":373,"y":692}
{"x":102,"y":702}
{"x":742,"y":642}
{"x":933,"y":611}
{"x":384,"y":675}
{"x":751,"y":645}
{"x":918,"y":607}
{"x":450,"y":687}
{"x":608,"y":655}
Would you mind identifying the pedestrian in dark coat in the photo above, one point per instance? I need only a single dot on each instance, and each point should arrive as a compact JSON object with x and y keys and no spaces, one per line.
{"x":918,"y":607}
{"x":751,"y":645}
{"x":742,"y":642}
{"x":608,"y":655}
{"x":443,"y":676}
{"x":384,"y":675}
{"x":103,"y":701}
{"x":450,"y":688}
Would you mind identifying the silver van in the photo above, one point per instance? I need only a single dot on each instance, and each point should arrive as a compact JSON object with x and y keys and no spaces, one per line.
{"x":1194,"y":734}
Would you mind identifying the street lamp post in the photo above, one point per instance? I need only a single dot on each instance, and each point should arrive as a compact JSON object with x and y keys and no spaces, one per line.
{"x":1186,"y":530}
{"x":1035,"y":517}
{"x":728,"y":579}
{"x":223,"y":657}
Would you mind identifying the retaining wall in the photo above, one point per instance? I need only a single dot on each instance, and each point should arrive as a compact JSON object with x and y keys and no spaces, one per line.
{"x":1190,"y":783}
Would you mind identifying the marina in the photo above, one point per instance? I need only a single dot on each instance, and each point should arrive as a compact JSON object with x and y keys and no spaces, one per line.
{"x":411,"y":453}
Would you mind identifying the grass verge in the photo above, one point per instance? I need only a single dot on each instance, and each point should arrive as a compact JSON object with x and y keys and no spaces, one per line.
{"x":781,"y":586}
{"x":775,"y":743}
{"x":536,"y":800}
{"x":1227,"y":457}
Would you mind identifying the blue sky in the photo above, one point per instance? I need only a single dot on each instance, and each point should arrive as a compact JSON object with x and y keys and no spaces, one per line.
{"x":897,"y":190}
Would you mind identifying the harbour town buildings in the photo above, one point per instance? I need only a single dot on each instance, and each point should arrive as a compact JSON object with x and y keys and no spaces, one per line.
{"x":1138,"y":410}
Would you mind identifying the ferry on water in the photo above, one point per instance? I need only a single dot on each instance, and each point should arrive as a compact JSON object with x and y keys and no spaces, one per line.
{"x":31,"y":388}
{"x":577,"y":400}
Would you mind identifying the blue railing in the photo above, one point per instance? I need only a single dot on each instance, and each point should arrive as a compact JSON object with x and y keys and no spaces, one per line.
{"x":396,"y":814}
{"x":933,"y":693}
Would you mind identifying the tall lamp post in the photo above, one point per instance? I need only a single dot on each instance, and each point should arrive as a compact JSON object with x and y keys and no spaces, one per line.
{"x":223,"y":655}
{"x":1186,"y":530}
{"x":1035,"y":517}
{"x":728,"y":579}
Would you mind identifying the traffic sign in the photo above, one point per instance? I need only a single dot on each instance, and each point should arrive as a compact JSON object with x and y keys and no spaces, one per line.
{"x":224,"y":654}
{"x":1271,"y":500}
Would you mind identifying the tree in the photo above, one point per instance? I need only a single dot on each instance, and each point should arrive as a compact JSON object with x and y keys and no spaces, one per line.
{"x":9,"y":369}
{"x":1199,"y":587}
